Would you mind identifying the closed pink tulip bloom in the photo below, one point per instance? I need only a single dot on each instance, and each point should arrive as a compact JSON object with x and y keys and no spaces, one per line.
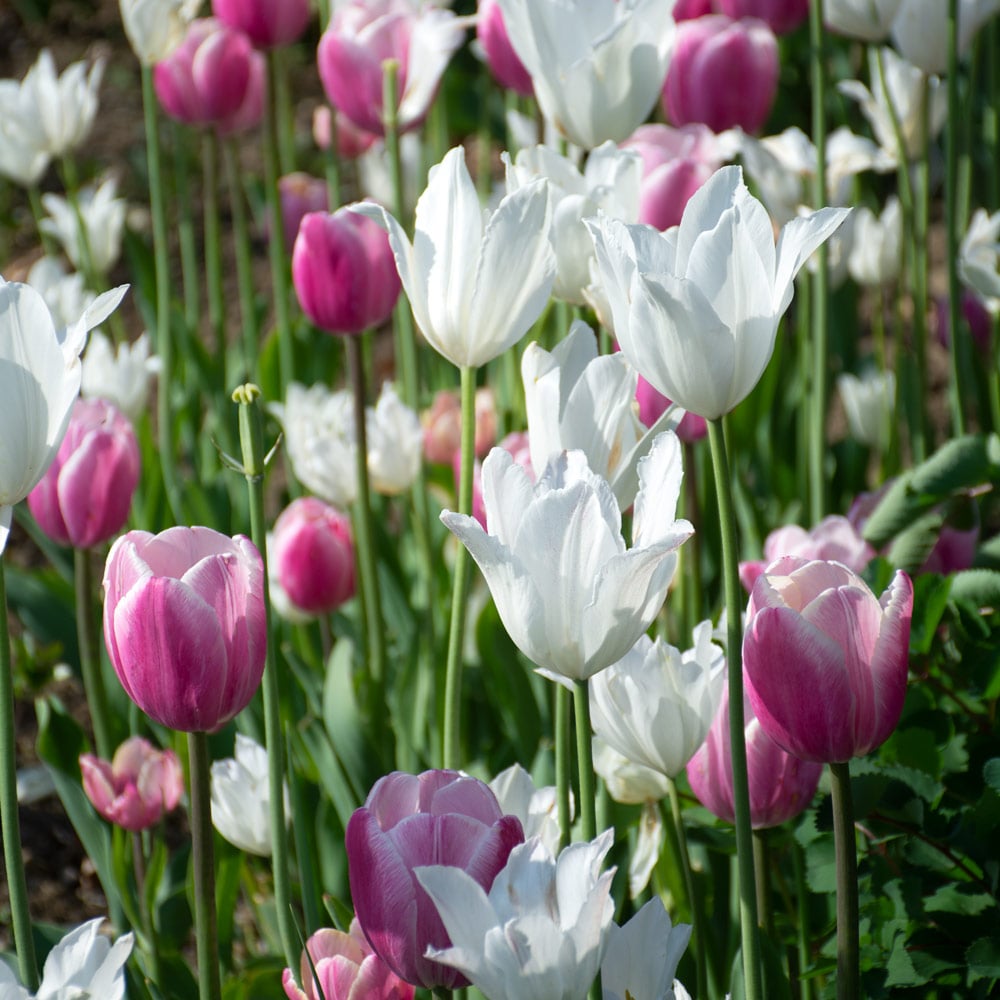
{"x":653,"y":404}
{"x":781,"y":785}
{"x":300,"y":194}
{"x":269,"y":23}
{"x":503,"y":61}
{"x":205,"y":80}
{"x":139,"y":785}
{"x":250,"y":113}
{"x":344,"y":273}
{"x":184,"y":624}
{"x":314,"y":555}
{"x":84,"y":497}
{"x":347,"y":969}
{"x":723,"y":73}
{"x":781,"y":16}
{"x":688,"y":10}
{"x":442,"y":425}
{"x":408,"y":821}
{"x":825,"y":660}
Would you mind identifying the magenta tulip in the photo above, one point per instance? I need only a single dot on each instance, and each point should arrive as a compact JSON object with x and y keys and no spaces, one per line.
{"x":781,"y":785}
{"x":723,"y":73}
{"x":825,"y":660}
{"x":344,"y":273}
{"x":250,"y":113}
{"x":84,"y":497}
{"x":314,"y":555}
{"x":184,"y":624}
{"x":653,"y":404}
{"x":137,"y":787}
{"x":300,"y":194}
{"x":503,"y":61}
{"x":269,"y":23}
{"x":781,"y":16}
{"x":435,"y":818}
{"x":688,"y":10}
{"x":346,"y":969}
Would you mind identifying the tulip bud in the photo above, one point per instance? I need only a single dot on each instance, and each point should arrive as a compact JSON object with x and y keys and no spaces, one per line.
{"x":781,"y":785}
{"x":408,"y":821}
{"x":84,"y":497}
{"x":351,"y":140}
{"x":184,"y":624}
{"x":503,"y":61}
{"x":653,"y":404}
{"x":723,"y":73}
{"x":443,"y":426}
{"x":781,"y":16}
{"x":300,"y":194}
{"x":688,"y":10}
{"x":314,"y":555}
{"x":344,"y":272}
{"x":137,"y":787}
{"x":269,"y":23}
{"x":825,"y":659}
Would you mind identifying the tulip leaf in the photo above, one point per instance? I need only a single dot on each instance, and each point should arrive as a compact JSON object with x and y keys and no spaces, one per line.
{"x":980,"y":587}
{"x":343,"y":720}
{"x":312,"y":742}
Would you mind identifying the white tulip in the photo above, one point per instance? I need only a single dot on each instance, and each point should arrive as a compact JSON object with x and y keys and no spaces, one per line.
{"x":598,"y":66}
{"x":696,"y":308}
{"x":119,"y":374}
{"x":641,"y":958}
{"x":536,"y":808}
{"x":103,"y":223}
{"x":868,"y":20}
{"x":64,"y":292}
{"x":979,"y":258}
{"x":475,"y":285}
{"x":395,"y":443}
{"x":569,"y":593}
{"x":869,"y":403}
{"x":920,"y":30}
{"x":241,"y":797}
{"x":156,"y":27}
{"x":877,"y":251}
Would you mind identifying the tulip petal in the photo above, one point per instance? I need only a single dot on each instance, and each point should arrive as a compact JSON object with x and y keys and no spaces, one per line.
{"x":6,"y":513}
{"x":798,"y":240}
{"x":889,"y":662}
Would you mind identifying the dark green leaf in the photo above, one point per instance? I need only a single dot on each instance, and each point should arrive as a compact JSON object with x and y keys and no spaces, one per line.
{"x":977,"y":586}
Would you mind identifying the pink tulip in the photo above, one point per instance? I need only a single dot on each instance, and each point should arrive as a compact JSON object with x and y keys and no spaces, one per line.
{"x":503,"y":61}
{"x":436,"y":818}
{"x":250,"y":113}
{"x":653,"y":404}
{"x":834,"y":538}
{"x":723,"y":73}
{"x":314,"y":555}
{"x":825,"y":660}
{"x":300,"y":194}
{"x":781,"y":785}
{"x":344,"y":273}
{"x":84,"y":497}
{"x":139,"y":785}
{"x":184,"y":624}
{"x":688,"y":10}
{"x":347,"y":969}
{"x":269,"y":23}
{"x":443,"y":426}
{"x":781,"y":16}
{"x":351,"y":140}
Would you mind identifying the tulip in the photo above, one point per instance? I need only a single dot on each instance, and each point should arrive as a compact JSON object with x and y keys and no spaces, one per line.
{"x":781,"y":16}
{"x":64,"y":292}
{"x":103,"y":218}
{"x":517,"y":443}
{"x":597,"y":65}
{"x":344,"y":274}
{"x":314,"y":555}
{"x":39,"y":382}
{"x":362,"y":35}
{"x":269,"y":23}
{"x":395,"y":443}
{"x":539,"y":933}
{"x":781,"y":785}
{"x":83,"y":963}
{"x":155,"y":28}
{"x":536,"y":808}
{"x":688,"y":10}
{"x":442,"y":425}
{"x":301,"y":194}
{"x":569,"y":593}
{"x":351,"y":140}
{"x":250,"y":113}
{"x":696,"y":309}
{"x":436,"y":818}
{"x":504,"y":64}
{"x":825,"y":660}
{"x":655,"y":705}
{"x":241,"y":798}
{"x":876,"y":256}
{"x":867,"y":20}
{"x":723,"y":73}
{"x":979,"y":258}
{"x":344,"y":967}
{"x":84,"y":497}
{"x":137,"y":787}
{"x":120,"y":375}
{"x":459,"y":266}
{"x":653,"y":404}
{"x":184,"y":624}
{"x":869,"y":403}
{"x":641,"y":958}
{"x":835,"y":538}
{"x":920,"y":30}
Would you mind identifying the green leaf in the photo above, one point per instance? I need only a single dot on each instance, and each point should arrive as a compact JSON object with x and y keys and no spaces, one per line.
{"x":983,"y":958}
{"x":960,"y":463}
{"x":900,"y":966}
{"x":957,"y":899}
{"x":913,"y":544}
{"x":930,"y":598}
{"x":893,"y":513}
{"x":343,"y":720}
{"x":991,"y":774}
{"x":977,"y":586}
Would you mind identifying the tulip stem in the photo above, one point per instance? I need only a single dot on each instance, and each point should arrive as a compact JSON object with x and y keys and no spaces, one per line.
{"x":203,"y":860}
{"x":49,"y":243}
{"x":17,"y":886}
{"x":760,"y":867}
{"x":741,"y":792}
{"x":563,"y":765}
{"x":244,"y":265}
{"x":848,"y":969}
{"x":585,"y":759}
{"x":90,"y":657}
{"x":463,"y":570}
{"x":252,"y":442}
{"x":802,"y":938}
{"x":185,"y":235}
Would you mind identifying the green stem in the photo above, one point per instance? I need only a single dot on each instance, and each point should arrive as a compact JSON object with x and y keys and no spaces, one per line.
{"x":301,"y":831}
{"x":848,"y":970}
{"x":90,"y":657}
{"x":244,"y":264}
{"x":283,"y":103}
{"x":186,"y":235}
{"x":17,"y":886}
{"x":203,"y":862}
{"x":252,"y":442}
{"x":563,"y":768}
{"x":333,"y":165}
{"x":802,"y":938}
{"x":585,"y":759}
{"x":920,"y":290}
{"x":741,"y":792}
{"x":72,"y":184}
{"x":761,"y":867}
{"x":462,"y":574}
{"x":213,"y":245}
{"x":49,"y":242}
{"x":145,"y":915}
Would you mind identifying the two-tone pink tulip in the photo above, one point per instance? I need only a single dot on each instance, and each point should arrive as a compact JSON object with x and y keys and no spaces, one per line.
{"x":269,"y":23}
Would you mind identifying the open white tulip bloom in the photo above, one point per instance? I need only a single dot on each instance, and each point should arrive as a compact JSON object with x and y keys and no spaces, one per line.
{"x":608,"y":183}
{"x":539,"y":934}
{"x":83,"y":964}
{"x":103,"y":220}
{"x":476,"y":284}
{"x":869,"y":403}
{"x":641,"y":957}
{"x":578,"y":399}
{"x":868,"y":20}
{"x":64,"y":292}
{"x":979,"y":258}
{"x":39,"y":382}
{"x":395,"y":443}
{"x":156,"y":27}
{"x":696,"y":308}
{"x":241,"y":797}
{"x":536,"y":808}
{"x":920,"y":30}
{"x":119,"y":374}
{"x":656,"y":704}
{"x":876,"y":254}
{"x":598,"y":66}
{"x":569,"y":593}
